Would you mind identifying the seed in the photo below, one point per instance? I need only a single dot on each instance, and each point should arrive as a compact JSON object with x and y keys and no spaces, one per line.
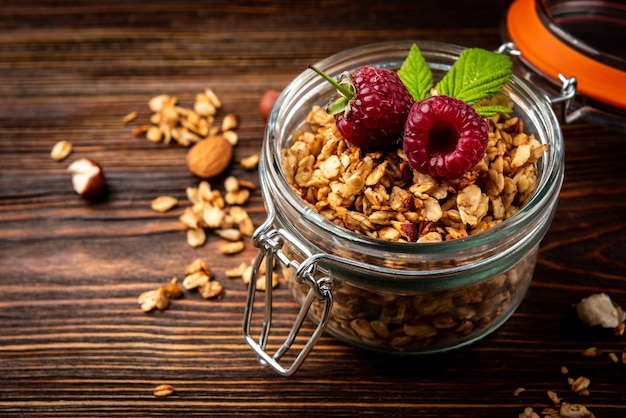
{"x":162,"y":391}
{"x":61,"y":150}
{"x":518,"y":391}
{"x":613,"y":357}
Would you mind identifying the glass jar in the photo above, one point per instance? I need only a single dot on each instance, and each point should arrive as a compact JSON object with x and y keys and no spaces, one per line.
{"x":386,"y":296}
{"x":581,"y":40}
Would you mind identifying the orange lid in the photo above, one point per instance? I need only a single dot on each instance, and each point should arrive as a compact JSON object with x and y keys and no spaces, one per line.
{"x":551,"y":56}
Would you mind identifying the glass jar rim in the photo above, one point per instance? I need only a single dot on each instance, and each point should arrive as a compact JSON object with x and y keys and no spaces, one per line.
{"x":551,"y":166}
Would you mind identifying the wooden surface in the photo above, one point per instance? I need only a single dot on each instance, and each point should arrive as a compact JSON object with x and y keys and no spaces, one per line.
{"x":73,"y":341}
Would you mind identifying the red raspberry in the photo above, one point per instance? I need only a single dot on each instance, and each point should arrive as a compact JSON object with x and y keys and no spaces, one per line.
{"x":444,"y":137}
{"x":376,"y":110}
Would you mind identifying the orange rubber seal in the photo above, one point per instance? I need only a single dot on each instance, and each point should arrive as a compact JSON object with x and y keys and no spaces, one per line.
{"x":550,"y":56}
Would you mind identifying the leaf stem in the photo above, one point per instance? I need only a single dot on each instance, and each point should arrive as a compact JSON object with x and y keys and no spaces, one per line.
{"x":343,"y":89}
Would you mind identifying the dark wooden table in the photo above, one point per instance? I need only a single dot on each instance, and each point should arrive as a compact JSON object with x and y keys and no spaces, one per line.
{"x":73,"y":341}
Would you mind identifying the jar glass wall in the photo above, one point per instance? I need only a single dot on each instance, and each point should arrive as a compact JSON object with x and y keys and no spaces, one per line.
{"x":396,"y":296}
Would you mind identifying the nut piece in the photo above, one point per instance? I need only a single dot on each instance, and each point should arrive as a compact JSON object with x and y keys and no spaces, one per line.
{"x":251,"y":162}
{"x":211,"y":290}
{"x":569,"y":410}
{"x":209,"y":157}
{"x":130,"y":117}
{"x":599,"y":310}
{"x":61,"y":150}
{"x":528,"y":413}
{"x":162,"y":391}
{"x":163,"y":203}
{"x":267,"y":102}
{"x":87,"y":178}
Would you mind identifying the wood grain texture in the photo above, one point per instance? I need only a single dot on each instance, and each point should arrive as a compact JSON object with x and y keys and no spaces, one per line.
{"x":73,"y":341}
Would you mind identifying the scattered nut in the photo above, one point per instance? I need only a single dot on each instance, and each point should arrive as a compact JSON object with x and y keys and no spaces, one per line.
{"x":154,"y":299}
{"x":196,"y":237}
{"x":162,"y":204}
{"x":229,"y":234}
{"x":236,"y":271}
{"x":599,"y":310}
{"x":251,"y":162}
{"x":209,"y":157}
{"x":198,"y":265}
{"x":574,"y":411}
{"x":231,"y":247}
{"x":528,"y":413}
{"x":591,"y":352}
{"x":261,"y":282}
{"x":267,"y":102}
{"x":129,"y":117}
{"x":87,"y":178}
{"x":229,"y":122}
{"x":61,"y":150}
{"x":162,"y":391}
{"x":580,"y":383}
{"x":231,"y":137}
{"x":172,"y":289}
{"x":154,"y":134}
{"x":211,"y":289}
{"x":554,"y":397}
{"x":196,"y":280}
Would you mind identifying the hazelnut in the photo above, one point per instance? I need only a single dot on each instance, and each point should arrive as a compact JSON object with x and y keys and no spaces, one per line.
{"x":267,"y":102}
{"x":87,"y":178}
{"x":209,"y":157}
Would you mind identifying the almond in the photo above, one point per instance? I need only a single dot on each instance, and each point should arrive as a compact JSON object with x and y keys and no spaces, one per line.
{"x":209,"y":157}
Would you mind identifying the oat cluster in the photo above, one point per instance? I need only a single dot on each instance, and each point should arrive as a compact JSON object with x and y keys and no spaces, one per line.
{"x":172,"y":122}
{"x":378,"y":195}
{"x":209,"y":212}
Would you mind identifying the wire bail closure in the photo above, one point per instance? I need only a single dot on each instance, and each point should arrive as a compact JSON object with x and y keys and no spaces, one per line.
{"x":567,"y":92}
{"x":270,"y":242}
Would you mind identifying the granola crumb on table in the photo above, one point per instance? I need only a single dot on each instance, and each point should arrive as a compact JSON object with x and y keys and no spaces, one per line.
{"x":378,"y":195}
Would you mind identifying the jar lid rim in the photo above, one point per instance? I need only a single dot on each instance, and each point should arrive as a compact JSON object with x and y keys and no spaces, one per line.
{"x":549,"y":55}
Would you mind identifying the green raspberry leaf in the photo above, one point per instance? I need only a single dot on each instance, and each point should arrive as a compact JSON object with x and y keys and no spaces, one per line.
{"x":416,"y":75}
{"x":489,"y":111}
{"x":476,"y":75}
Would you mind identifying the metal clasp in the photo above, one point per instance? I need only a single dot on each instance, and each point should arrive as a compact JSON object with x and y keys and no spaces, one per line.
{"x":568,"y":87}
{"x":270,"y":242}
